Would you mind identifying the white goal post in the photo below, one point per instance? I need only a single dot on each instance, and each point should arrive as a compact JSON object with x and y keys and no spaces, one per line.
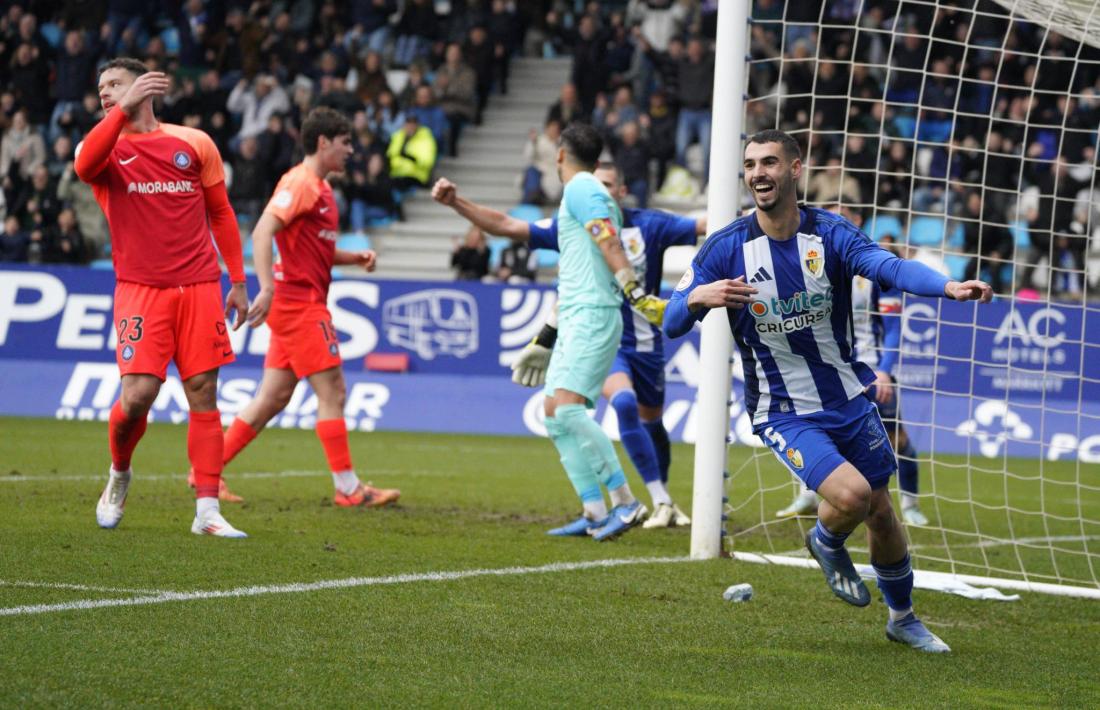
{"x":1009,"y":455}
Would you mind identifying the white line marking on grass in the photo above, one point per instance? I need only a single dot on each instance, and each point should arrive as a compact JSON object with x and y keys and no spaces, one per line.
{"x":175,"y":476}
{"x":76,"y":587}
{"x":300,"y":587}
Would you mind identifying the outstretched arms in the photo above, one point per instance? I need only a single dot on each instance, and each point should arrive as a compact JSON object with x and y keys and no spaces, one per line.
{"x":484,"y":218}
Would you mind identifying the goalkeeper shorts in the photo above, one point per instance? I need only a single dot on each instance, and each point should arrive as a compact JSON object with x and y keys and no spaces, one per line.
{"x":588,"y":338}
{"x":812,"y":446}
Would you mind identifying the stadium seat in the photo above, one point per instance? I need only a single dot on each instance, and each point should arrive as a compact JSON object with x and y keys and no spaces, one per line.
{"x":104,"y":264}
{"x":926,"y":231}
{"x":934,"y":131}
{"x":386,"y":362}
{"x":497,"y":245}
{"x":353,"y":242}
{"x":526,"y":212}
{"x":885,"y":225}
{"x":548,"y":258}
{"x":246,"y":248}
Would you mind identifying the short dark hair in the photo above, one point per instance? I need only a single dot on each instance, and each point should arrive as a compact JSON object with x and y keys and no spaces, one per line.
{"x":771,"y":135}
{"x":134,"y":66}
{"x":583,"y":144}
{"x":608,"y":165}
{"x":323,"y":121}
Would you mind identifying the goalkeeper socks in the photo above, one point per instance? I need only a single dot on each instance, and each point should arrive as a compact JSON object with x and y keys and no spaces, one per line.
{"x":238,"y":436}
{"x":333,"y":434}
{"x":639,"y":446}
{"x":595,"y":447}
{"x":577,"y":469}
{"x":896,"y":583}
{"x":661,"y":445}
{"x":621,"y":495}
{"x":204,"y":448}
{"x":829,"y":540}
{"x":124,"y":434}
{"x":907,"y":469}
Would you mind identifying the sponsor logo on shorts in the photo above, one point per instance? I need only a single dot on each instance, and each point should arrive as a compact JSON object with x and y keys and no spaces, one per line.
{"x":128,"y":352}
{"x":181,"y":160}
{"x":794,"y":456}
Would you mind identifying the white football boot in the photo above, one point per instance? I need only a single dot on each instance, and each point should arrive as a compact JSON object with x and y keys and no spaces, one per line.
{"x":109,"y":509}
{"x":212,"y":523}
{"x":804,"y":503}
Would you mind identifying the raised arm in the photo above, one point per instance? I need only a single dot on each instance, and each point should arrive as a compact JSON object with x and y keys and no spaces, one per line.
{"x":484,"y":218}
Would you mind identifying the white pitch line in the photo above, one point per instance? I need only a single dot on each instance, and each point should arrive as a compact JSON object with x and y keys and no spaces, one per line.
{"x":173,"y":476}
{"x":76,"y":587}
{"x":300,"y":587}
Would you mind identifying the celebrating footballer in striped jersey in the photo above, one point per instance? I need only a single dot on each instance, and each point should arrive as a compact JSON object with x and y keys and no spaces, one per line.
{"x":162,"y":189}
{"x":783,"y":276}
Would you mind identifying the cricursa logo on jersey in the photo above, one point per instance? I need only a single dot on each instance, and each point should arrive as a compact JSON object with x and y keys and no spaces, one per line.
{"x":786,"y":315}
{"x":160,"y":187}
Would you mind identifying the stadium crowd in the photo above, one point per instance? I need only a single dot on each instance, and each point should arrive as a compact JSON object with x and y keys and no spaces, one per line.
{"x":951,"y":131}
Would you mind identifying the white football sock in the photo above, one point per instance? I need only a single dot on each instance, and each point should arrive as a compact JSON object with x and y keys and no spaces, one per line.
{"x":621,"y":496}
{"x":595,"y":510}
{"x":206,"y":506}
{"x":908,"y":500}
{"x":896,"y":614}
{"x":658,"y":493}
{"x":345,"y":481}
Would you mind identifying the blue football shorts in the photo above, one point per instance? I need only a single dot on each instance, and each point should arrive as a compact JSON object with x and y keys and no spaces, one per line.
{"x":646,"y":371}
{"x":812,"y":446}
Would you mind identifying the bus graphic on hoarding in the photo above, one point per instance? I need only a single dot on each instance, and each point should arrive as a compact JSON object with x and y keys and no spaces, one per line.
{"x":433,"y":322}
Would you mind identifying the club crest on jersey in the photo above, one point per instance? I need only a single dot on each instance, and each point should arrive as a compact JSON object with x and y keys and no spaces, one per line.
{"x":814,"y":261}
{"x":794,"y":456}
{"x":128,"y":353}
{"x":181,"y":160}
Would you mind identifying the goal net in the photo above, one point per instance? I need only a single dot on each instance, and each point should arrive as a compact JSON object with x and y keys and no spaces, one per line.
{"x":964,"y":133}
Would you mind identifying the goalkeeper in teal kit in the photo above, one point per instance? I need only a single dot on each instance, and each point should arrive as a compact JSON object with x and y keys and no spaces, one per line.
{"x":593,"y":275}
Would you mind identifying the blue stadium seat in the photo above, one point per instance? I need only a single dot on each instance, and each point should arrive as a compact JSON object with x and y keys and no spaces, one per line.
{"x":104,"y":264}
{"x":496,"y":246}
{"x":885,"y":225}
{"x":926,"y":231}
{"x":1020,"y":236}
{"x":246,"y":248}
{"x":526,"y":212}
{"x":934,"y":131}
{"x":353,"y":242}
{"x":548,"y":258}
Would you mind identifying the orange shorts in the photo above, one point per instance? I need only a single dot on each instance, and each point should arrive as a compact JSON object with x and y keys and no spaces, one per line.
{"x":302,"y":338}
{"x":181,"y":323}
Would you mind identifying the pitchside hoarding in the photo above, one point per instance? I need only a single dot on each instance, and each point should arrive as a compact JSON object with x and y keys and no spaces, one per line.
{"x":1023,"y":381}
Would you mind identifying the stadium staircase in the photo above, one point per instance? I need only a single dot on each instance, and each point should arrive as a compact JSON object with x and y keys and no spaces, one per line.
{"x":487,"y":171}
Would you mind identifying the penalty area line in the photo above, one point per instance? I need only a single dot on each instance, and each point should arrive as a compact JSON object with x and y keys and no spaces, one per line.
{"x":352,"y":582}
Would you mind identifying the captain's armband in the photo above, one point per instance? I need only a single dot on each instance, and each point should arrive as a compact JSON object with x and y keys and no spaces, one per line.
{"x":600,"y":229}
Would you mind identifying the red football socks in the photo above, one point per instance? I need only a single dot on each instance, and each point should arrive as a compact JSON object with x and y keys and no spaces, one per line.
{"x":238,"y":436}
{"x":204,"y":448}
{"x":333,"y":434}
{"x":124,"y":435}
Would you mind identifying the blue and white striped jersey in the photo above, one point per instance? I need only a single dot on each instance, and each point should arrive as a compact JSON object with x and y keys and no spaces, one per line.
{"x":795,"y":337}
{"x":876,"y":324}
{"x":646,"y":235}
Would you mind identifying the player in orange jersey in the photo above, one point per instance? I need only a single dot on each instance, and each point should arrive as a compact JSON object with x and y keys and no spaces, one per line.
{"x":162,"y":189}
{"x":302,"y":219}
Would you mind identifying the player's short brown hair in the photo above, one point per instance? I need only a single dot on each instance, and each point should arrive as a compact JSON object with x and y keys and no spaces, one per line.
{"x":134,"y":66}
{"x":583,"y":144}
{"x":323,"y":121}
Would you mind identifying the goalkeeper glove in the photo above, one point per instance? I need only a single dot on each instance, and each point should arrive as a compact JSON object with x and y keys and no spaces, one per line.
{"x":651,"y":307}
{"x":529,"y":369}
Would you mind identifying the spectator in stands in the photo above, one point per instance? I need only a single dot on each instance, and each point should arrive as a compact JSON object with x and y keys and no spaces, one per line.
{"x":666,"y":65}
{"x":61,"y":154}
{"x":658,"y":21}
{"x":335,"y":95}
{"x":78,"y":195}
{"x":37,"y":204}
{"x":519,"y":264}
{"x":609,"y":119}
{"x":567,"y":108}
{"x":659,"y":127}
{"x":75,"y":67}
{"x":504,"y":32}
{"x":481,"y":56}
{"x":276,"y":147}
{"x":590,"y":72}
{"x":384,"y":116}
{"x":430,"y":115}
{"x":63,"y":242}
{"x":255,"y":102}
{"x":29,"y":75}
{"x":416,"y":30}
{"x":696,"y":84}
{"x":456,"y":88}
{"x":417,"y":78}
{"x":833,"y":185}
{"x":21,"y":151}
{"x":369,"y":80}
{"x":412,"y":153}
{"x":371,"y":20}
{"x":632,"y":157}
{"x":541,"y":183}
{"x":251,"y":183}
{"x":371,"y":193}
{"x":470,"y":258}
{"x":14,"y":241}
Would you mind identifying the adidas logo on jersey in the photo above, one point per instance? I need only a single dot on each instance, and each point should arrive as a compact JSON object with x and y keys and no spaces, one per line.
{"x":760,"y":276}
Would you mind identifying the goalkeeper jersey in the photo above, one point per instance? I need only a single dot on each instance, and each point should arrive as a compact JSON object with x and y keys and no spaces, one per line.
{"x":795,"y":337}
{"x":587,"y":213}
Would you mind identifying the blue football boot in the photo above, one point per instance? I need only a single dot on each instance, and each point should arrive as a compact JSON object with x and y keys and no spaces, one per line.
{"x":580,"y":527}
{"x":910,"y":631}
{"x":621,"y":519}
{"x":840,"y":573}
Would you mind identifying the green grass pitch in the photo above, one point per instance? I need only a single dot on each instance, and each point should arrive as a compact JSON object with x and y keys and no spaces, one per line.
{"x":629,"y":636}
